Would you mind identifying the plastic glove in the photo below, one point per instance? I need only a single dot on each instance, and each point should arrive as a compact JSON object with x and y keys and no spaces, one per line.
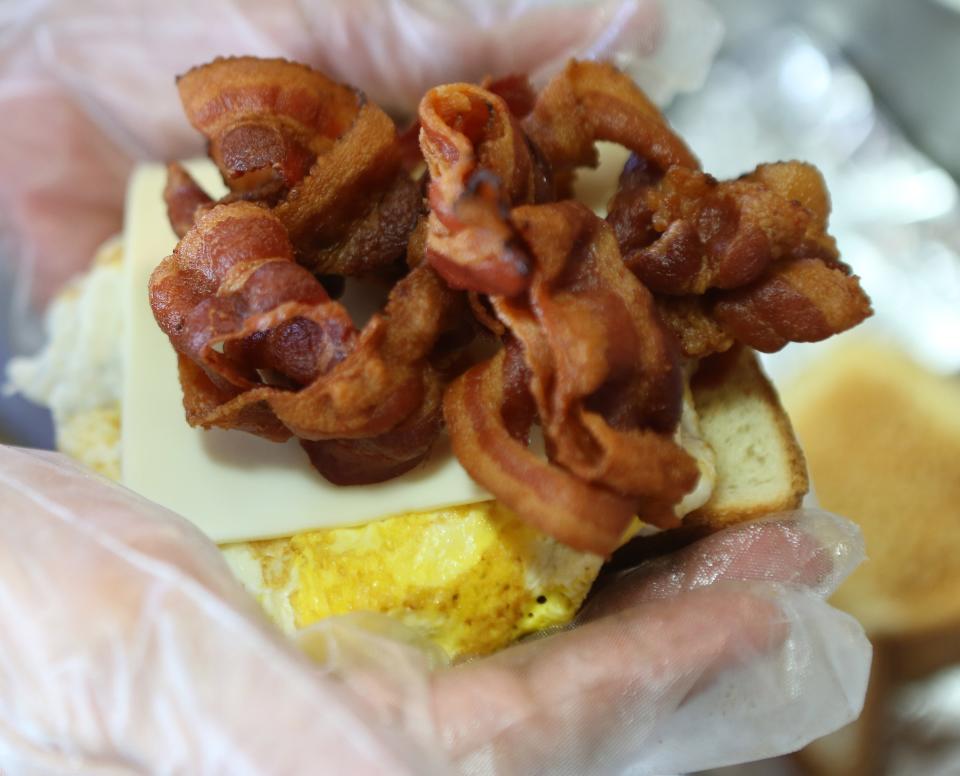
{"x":126,"y":647}
{"x":86,"y":89}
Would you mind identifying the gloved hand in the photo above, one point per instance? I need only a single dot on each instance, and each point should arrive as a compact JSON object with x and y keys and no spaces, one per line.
{"x":126,"y":647}
{"x":87,"y":89}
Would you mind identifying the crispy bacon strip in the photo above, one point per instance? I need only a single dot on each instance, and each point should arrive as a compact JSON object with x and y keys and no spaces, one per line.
{"x":264,"y":349}
{"x":591,"y":101}
{"x":355,"y":210}
{"x":384,"y":380}
{"x":183,"y":197}
{"x":686,"y":233}
{"x":584,"y":516}
{"x":803,"y":300}
{"x":381,"y":382}
{"x":748,"y":259}
{"x":231,"y":287}
{"x":480,"y":164}
{"x":516,"y":90}
{"x":603,"y":377}
{"x":202,"y":396}
{"x":267,"y":120}
{"x":383,"y":457}
{"x":325,"y":158}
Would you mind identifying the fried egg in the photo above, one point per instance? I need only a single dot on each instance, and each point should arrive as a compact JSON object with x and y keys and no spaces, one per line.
{"x":471,"y":578}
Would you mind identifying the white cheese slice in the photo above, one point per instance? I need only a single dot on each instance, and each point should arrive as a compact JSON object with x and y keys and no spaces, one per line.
{"x":232,"y":485}
{"x":594,"y":187}
{"x":237,"y":487}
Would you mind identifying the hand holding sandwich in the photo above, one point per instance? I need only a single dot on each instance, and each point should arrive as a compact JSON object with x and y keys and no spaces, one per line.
{"x":127,"y":645}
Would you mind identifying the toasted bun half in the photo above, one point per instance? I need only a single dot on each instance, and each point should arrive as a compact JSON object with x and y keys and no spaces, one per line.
{"x":882,"y":435}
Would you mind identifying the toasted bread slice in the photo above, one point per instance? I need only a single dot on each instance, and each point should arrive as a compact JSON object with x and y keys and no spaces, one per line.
{"x":882,"y":436}
{"x":883,"y":441}
{"x":760,"y":468}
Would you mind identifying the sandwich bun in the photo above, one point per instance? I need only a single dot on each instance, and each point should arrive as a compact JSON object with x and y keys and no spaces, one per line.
{"x":883,"y":439}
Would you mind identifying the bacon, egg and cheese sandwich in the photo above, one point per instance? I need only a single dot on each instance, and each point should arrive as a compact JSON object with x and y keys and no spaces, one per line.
{"x":586,"y":378}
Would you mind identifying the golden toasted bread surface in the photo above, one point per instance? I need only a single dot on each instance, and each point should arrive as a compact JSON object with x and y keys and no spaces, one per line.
{"x":882,"y":437}
{"x":760,"y":468}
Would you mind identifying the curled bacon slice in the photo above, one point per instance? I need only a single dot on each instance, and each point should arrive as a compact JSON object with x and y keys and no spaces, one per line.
{"x":803,"y":300}
{"x":356,"y":208}
{"x":231,"y":287}
{"x":604,"y":380}
{"x":202,"y":396}
{"x":747,"y":259}
{"x":381,"y":382}
{"x":183,"y":197}
{"x":579,"y":514}
{"x":480,"y":165}
{"x":264,"y":349}
{"x":516,"y":90}
{"x":326,"y":159}
{"x":388,"y":455}
{"x":686,"y":232}
{"x":605,"y":375}
{"x":591,"y":101}
{"x":267,"y":120}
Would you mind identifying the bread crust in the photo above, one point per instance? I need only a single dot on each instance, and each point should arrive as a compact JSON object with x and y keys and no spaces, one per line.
{"x":742,"y":419}
{"x":744,"y":383}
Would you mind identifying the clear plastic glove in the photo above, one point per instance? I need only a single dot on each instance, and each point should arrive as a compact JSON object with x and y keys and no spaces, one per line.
{"x":86,"y":89}
{"x":126,"y":647}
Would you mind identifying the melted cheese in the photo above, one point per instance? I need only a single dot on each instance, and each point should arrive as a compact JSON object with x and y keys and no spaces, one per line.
{"x":594,"y":187}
